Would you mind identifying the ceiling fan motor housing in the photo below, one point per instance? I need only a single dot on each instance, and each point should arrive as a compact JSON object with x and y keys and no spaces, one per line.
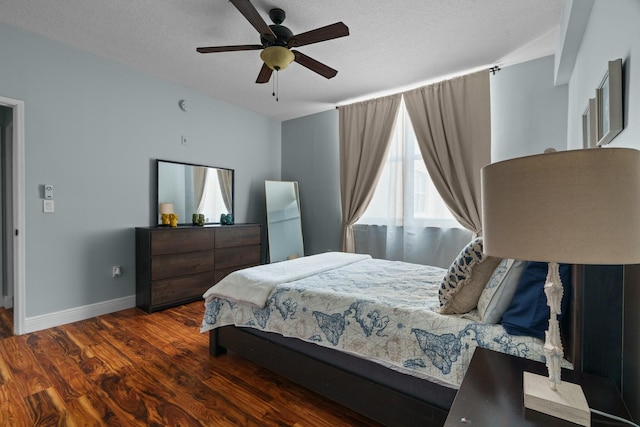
{"x":282,"y":33}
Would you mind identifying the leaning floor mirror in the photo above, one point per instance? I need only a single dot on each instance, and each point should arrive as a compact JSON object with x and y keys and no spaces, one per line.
{"x":284,"y":226}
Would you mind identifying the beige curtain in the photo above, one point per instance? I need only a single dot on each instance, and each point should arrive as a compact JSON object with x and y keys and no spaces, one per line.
{"x":452,"y":121}
{"x":199,"y":182}
{"x":365,"y":131}
{"x":225,"y":181}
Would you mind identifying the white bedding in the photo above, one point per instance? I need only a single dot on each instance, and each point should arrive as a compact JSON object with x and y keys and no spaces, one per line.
{"x":385,"y":311}
{"x":254,"y":285}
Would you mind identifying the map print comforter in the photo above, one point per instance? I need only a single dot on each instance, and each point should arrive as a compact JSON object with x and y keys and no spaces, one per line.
{"x":384,"y":311}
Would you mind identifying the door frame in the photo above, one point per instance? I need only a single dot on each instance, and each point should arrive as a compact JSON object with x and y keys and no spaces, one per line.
{"x":18,"y":202}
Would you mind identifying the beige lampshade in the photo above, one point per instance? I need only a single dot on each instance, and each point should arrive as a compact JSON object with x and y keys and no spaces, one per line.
{"x":166,"y":208}
{"x":277,"y":57}
{"x":575,"y":207}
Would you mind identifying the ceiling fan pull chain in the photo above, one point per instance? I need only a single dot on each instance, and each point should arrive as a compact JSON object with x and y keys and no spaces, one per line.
{"x":277,"y":86}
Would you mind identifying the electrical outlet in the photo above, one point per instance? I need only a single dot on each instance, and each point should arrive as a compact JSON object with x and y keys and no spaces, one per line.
{"x":183,"y":140}
{"x":117,"y":271}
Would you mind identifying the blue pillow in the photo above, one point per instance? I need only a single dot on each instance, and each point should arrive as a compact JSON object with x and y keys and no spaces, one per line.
{"x":528,"y":313}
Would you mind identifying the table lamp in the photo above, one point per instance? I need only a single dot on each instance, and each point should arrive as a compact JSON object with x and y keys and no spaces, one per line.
{"x":574,"y":207}
{"x":165,"y":209}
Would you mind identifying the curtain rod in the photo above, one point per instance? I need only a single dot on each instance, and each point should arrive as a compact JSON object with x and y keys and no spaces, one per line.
{"x":493,"y":70}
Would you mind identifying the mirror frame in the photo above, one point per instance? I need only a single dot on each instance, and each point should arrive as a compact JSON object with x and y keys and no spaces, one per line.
{"x":270,"y":237}
{"x":187,"y":219}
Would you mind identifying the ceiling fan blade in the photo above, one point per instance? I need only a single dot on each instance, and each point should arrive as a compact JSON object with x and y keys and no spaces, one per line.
{"x":264,"y":75}
{"x":329,"y":32}
{"x":249,"y":11}
{"x":213,"y":49}
{"x":314,"y":65}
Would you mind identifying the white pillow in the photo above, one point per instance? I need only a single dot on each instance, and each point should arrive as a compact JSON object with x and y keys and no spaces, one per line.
{"x":497,"y":295}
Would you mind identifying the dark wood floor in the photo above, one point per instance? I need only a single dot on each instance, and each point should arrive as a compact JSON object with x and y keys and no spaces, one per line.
{"x":130,"y":368}
{"x":6,"y":322}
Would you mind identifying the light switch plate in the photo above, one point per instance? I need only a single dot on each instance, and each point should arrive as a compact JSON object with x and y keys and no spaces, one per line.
{"x":48,"y":206}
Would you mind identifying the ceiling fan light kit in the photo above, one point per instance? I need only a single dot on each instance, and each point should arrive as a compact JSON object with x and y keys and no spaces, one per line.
{"x":277,"y":57}
{"x":277,"y":40}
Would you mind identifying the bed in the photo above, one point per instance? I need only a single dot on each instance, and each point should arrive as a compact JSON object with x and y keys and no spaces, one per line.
{"x":390,"y":355}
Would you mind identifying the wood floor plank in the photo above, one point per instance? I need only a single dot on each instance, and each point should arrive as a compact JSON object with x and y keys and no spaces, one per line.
{"x":107,"y":411}
{"x":260,"y":403}
{"x":13,"y":411}
{"x":95,"y":356}
{"x":46,"y":408}
{"x":134,"y":369}
{"x":26,"y":374}
{"x":82,"y":412}
{"x":61,"y":370}
{"x":104,"y":359}
{"x":6,"y":322}
{"x":125,"y":401}
{"x":5,"y":373}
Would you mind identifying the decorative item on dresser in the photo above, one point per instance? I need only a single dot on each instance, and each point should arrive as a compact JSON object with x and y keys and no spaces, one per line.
{"x":177,"y":265}
{"x":166,"y":210}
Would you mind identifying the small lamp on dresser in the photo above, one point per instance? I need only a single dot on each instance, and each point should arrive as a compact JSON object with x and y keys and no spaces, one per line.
{"x":165,"y":210}
{"x":574,"y":207}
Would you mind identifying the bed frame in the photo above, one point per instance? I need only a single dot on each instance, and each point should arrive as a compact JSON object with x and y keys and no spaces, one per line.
{"x":379,"y":393}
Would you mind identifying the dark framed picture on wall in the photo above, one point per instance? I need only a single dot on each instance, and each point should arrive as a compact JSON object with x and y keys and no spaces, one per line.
{"x":609,"y":103}
{"x":589,"y":125}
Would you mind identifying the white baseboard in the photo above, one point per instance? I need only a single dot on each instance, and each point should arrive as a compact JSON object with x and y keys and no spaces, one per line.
{"x":45,"y":321}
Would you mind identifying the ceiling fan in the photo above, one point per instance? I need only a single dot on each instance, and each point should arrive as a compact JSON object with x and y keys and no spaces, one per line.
{"x":277,"y":41}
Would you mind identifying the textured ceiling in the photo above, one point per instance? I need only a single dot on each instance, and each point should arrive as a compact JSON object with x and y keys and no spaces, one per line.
{"x":392,"y":46}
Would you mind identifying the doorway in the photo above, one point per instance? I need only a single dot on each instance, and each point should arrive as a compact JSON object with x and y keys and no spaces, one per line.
{"x":12,"y":210}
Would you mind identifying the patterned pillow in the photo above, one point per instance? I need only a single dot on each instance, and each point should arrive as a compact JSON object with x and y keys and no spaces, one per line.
{"x":497,"y":295}
{"x":466,"y":278}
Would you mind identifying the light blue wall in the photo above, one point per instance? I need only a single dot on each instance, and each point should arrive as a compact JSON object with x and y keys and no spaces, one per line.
{"x":310,"y":155}
{"x":528,"y":113}
{"x":93,"y":129}
{"x":613,"y":32}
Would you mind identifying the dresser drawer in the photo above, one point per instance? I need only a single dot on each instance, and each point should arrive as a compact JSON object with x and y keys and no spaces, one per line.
{"x":170,"y":265}
{"x":174,"y":240}
{"x":238,"y":256}
{"x":222,"y":272}
{"x":237,"y":236}
{"x":181,"y":288}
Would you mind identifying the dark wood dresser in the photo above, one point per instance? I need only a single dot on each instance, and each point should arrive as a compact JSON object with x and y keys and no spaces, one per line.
{"x":176,"y":265}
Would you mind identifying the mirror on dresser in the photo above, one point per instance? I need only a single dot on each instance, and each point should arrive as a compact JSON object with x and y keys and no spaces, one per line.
{"x":284,"y":226}
{"x":190,"y":188}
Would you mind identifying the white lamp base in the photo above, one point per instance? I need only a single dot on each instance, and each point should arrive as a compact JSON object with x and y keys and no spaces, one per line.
{"x":567,"y":402}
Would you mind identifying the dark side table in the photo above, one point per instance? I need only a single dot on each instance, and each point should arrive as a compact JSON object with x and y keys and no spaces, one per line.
{"x":491,"y":394}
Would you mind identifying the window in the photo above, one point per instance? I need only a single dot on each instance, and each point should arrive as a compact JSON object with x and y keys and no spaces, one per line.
{"x":405,"y":194}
